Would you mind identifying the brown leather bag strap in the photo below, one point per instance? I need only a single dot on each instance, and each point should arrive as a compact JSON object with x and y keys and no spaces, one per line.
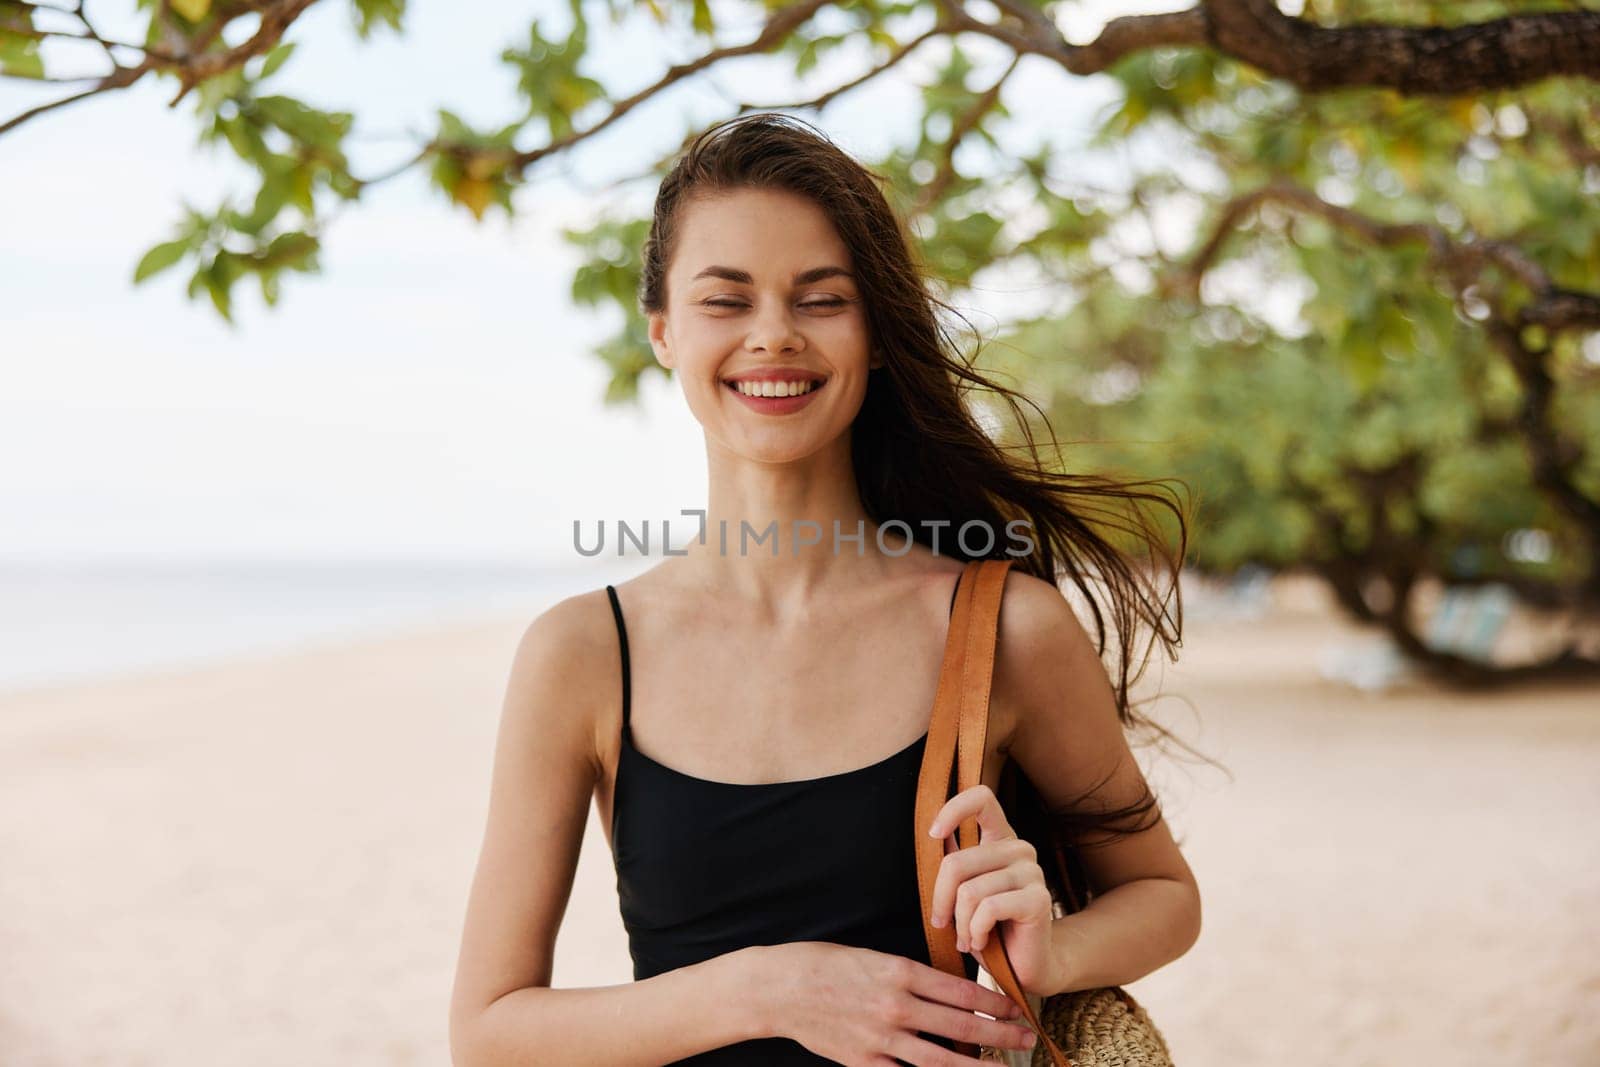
{"x":933,"y":783}
{"x":977,"y":674}
{"x":968,"y":670}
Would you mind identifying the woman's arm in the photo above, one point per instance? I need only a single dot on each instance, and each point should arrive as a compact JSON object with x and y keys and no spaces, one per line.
{"x":1124,"y":934}
{"x":641,"y":1024}
{"x":502,"y":1010}
{"x":1068,"y":740}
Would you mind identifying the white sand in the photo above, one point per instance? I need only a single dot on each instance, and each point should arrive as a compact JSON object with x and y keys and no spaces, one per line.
{"x":266,"y":862}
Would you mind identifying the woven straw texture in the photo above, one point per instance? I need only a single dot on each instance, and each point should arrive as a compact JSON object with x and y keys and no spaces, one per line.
{"x":1095,"y":1028}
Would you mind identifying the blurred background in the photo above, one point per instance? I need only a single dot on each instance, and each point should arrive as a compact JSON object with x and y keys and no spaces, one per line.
{"x":318,"y":335}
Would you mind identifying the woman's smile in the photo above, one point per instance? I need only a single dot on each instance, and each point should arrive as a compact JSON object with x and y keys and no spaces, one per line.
{"x":775,"y":395}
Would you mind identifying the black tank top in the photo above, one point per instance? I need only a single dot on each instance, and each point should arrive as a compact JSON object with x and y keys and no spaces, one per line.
{"x":706,"y":867}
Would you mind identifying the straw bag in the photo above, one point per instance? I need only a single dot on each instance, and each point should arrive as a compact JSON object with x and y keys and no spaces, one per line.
{"x":1084,"y":1028}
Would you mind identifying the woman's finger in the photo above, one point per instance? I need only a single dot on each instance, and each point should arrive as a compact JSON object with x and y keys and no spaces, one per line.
{"x":973,"y":892}
{"x":960,"y":865}
{"x":977,"y":802}
{"x":926,"y":1017}
{"x":1024,"y":903}
{"x":930,"y":983}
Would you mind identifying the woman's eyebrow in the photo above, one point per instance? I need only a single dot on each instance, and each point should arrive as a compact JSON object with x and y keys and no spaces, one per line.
{"x":805,"y":277}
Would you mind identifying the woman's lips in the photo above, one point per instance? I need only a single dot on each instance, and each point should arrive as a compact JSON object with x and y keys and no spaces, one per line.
{"x":777,"y":405}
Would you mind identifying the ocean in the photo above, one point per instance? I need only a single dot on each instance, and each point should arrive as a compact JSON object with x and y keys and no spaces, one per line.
{"x":68,"y":621}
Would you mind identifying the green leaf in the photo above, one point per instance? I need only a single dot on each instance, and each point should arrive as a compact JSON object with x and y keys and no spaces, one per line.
{"x":216,"y":284}
{"x":549,"y":78}
{"x":321,"y":129}
{"x":276,"y":58}
{"x":270,"y":198}
{"x":19,"y":55}
{"x":370,"y":13}
{"x":294,"y":250}
{"x":702,"y":21}
{"x":193,"y":10}
{"x":160,"y":258}
{"x":269,"y":287}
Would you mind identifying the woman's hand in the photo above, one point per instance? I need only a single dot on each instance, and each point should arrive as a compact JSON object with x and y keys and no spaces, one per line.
{"x":866,"y":1008}
{"x":995,"y":883}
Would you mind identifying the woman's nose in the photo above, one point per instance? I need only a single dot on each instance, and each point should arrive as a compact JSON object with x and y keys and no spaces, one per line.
{"x":774,"y":331}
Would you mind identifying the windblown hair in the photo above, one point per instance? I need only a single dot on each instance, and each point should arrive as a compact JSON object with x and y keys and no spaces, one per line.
{"x":921,"y":455}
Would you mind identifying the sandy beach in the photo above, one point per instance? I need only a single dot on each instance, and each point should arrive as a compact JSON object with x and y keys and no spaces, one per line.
{"x":266,"y":861}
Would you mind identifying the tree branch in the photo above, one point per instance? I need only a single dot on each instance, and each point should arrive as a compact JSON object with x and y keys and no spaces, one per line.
{"x":784,"y":21}
{"x":1554,"y":461}
{"x":1552,"y":307}
{"x":39,"y":35}
{"x":820,"y":102}
{"x":119,"y":78}
{"x":275,"y":19}
{"x":1416,"y":60}
{"x":929,"y":194}
{"x":192,"y":67}
{"x":83,"y":18}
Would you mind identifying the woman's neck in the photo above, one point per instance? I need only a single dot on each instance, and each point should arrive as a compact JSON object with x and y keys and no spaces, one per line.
{"x":781,"y":532}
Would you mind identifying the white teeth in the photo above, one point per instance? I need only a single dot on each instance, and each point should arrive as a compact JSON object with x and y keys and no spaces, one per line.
{"x":772,"y":388}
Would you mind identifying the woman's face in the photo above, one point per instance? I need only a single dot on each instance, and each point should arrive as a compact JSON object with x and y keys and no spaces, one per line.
{"x":760,"y":292}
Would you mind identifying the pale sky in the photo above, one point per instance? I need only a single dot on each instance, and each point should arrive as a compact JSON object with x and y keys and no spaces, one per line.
{"x":431,"y":393}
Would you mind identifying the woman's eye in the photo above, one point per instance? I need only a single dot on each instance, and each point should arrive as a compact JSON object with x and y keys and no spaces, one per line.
{"x":834,"y":303}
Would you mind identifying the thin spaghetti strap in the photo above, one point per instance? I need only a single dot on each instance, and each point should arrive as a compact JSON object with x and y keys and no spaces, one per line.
{"x":622,"y":641}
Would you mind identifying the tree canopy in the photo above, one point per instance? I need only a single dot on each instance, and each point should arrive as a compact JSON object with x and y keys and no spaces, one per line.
{"x":1373,"y":346}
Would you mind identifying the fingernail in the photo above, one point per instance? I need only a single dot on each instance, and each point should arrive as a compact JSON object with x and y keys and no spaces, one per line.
{"x":938,"y":921}
{"x":933,"y":831}
{"x":1028,"y":1040}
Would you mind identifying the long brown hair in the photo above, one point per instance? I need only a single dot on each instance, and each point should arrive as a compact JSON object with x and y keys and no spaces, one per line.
{"x":921,"y":455}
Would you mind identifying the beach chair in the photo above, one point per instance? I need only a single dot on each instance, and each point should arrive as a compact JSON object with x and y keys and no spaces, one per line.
{"x":1469,"y":620}
{"x":1250,"y":592}
{"x":1371,"y":666}
{"x":1467,"y":623}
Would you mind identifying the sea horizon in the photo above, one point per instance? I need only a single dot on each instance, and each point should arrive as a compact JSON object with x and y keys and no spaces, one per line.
{"x":71,"y":619}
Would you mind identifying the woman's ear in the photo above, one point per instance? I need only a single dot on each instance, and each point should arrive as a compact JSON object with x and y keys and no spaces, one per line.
{"x":657,"y":331}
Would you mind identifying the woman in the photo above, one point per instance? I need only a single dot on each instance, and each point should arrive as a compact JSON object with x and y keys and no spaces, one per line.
{"x":748,"y":716}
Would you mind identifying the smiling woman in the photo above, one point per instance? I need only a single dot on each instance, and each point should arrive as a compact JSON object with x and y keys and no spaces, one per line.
{"x":783,"y":330}
{"x":750,"y":725}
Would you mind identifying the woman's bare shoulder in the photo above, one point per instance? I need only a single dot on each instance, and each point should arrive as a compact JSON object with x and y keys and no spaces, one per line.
{"x":565,"y":668}
{"x":577,"y":630}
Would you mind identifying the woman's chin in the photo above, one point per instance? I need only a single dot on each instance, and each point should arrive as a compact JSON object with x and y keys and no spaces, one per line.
{"x":774,"y":448}
{"x":776,"y":454}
